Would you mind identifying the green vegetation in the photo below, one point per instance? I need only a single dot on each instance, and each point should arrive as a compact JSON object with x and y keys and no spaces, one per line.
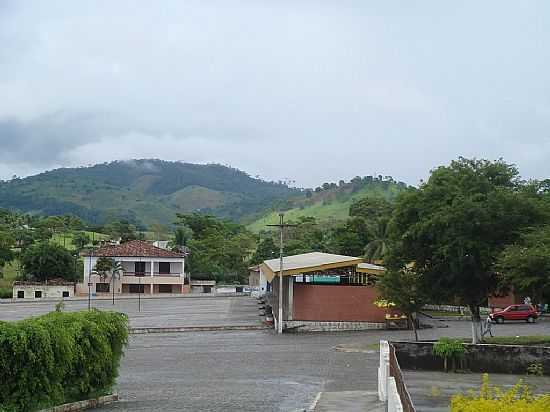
{"x":404,"y":289}
{"x":219,"y":249}
{"x":519,"y":340}
{"x":331,"y":205}
{"x":142,"y":192}
{"x":526,"y":264}
{"x":494,"y":399}
{"x":59,"y":358}
{"x":46,"y":260}
{"x":454,"y":227}
{"x":449,"y":349}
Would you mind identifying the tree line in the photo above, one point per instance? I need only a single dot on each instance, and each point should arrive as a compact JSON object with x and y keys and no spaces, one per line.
{"x":472,"y":230}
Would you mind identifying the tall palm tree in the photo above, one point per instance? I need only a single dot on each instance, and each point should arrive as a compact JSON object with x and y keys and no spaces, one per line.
{"x":377,"y":248}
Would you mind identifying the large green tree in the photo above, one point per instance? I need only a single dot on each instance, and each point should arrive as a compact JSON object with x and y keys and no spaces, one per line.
{"x":45,"y":260}
{"x":454,"y":227}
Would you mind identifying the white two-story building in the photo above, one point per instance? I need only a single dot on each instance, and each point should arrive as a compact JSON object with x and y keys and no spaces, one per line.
{"x":145,"y":269}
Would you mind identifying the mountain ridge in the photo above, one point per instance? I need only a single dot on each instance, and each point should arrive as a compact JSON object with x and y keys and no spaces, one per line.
{"x":148,"y":191}
{"x":142,"y":191}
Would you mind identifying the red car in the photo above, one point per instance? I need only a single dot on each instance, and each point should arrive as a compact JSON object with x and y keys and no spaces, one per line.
{"x":515,"y":312}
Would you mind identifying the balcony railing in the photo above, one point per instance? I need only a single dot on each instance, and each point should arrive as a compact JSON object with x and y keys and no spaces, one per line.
{"x":125,"y":273}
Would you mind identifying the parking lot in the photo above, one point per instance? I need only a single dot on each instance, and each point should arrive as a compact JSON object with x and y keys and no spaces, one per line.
{"x":254,"y":370}
{"x":257,"y":370}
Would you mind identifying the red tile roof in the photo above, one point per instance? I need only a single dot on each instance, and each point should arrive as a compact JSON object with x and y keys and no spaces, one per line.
{"x":133,"y":248}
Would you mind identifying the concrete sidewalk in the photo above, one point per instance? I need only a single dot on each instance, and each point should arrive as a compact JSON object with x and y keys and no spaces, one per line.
{"x":349,"y":401}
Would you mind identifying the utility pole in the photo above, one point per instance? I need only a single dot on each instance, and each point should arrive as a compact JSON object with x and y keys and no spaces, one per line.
{"x":281,"y":227}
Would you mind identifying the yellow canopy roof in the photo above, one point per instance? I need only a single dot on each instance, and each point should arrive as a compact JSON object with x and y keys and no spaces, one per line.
{"x":370,"y":268}
{"x":307,"y":262}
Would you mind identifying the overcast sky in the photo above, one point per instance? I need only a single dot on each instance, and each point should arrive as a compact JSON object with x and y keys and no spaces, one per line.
{"x":312,"y":91}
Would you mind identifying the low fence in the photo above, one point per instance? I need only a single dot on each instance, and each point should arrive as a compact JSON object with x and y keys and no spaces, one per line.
{"x":391,"y":385}
{"x":395,"y":372}
{"x":452,"y":308}
{"x":509,"y":359}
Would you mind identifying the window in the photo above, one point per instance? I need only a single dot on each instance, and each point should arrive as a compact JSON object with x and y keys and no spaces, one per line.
{"x":102,"y":287}
{"x":20,"y":294}
{"x":165,"y":288}
{"x":65,"y":293}
{"x":137,"y":288}
{"x":38,"y":294}
{"x":139,"y":268}
{"x":164,"y":268}
{"x":208,"y":289}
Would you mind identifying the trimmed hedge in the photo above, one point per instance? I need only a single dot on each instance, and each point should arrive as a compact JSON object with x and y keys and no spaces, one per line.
{"x":59,"y":357}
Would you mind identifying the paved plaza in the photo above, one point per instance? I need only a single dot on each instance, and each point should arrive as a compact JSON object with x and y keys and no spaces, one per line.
{"x":155,"y":312}
{"x":253,"y":370}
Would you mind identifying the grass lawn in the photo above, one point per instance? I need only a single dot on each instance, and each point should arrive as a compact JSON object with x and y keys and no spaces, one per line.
{"x":519,"y":340}
{"x":67,"y":239}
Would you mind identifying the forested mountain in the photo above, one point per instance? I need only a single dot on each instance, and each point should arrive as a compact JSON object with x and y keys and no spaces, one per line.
{"x":142,"y":191}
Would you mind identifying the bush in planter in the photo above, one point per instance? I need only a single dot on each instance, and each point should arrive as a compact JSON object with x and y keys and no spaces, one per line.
{"x":492,"y":399}
{"x":60,"y":357}
{"x":448,"y":348}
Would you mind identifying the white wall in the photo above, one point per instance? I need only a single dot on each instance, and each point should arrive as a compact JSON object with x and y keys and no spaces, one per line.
{"x":387,"y":389}
{"x":48,"y":291}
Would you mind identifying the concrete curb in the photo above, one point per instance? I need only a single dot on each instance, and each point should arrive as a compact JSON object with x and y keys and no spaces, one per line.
{"x":179,"y":329}
{"x":8,"y":301}
{"x":313,"y":405}
{"x":83,"y":405}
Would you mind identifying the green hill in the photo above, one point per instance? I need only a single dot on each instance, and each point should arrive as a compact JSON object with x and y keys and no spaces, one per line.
{"x":142,"y":191}
{"x":331,"y":203}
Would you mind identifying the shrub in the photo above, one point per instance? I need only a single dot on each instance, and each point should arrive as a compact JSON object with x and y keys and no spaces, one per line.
{"x":59,"y":357}
{"x":448,"y":348}
{"x":493,"y":399}
{"x":6,"y":293}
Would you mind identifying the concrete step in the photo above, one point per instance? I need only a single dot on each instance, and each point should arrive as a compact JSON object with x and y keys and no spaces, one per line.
{"x":349,"y":401}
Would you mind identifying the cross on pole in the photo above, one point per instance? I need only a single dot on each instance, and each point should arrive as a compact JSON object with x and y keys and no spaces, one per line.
{"x":281,"y":227}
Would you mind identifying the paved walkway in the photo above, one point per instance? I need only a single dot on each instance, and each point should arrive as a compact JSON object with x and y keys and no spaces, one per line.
{"x":349,"y":401}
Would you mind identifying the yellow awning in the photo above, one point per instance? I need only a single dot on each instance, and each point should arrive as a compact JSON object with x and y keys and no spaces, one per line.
{"x":307,"y":262}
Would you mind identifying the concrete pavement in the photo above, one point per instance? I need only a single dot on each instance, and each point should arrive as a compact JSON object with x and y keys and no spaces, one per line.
{"x":254,"y":370}
{"x":167,"y":312}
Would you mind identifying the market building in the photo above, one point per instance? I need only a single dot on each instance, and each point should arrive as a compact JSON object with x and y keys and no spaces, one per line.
{"x":323,"y":291}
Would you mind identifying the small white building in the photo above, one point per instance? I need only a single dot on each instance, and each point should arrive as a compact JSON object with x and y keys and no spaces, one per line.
{"x":145,"y":269}
{"x":203,"y":286}
{"x":53,"y":289}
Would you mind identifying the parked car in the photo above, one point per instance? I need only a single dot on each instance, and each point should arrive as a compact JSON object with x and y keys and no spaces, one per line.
{"x":515,"y":312}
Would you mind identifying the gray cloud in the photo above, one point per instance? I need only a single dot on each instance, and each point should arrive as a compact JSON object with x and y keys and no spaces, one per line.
{"x":310,"y":90}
